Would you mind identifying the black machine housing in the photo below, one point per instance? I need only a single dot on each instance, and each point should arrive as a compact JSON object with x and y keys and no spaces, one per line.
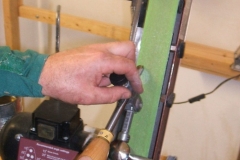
{"x":53,"y":122}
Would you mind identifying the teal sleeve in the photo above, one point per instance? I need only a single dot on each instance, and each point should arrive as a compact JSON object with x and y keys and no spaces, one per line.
{"x":20,"y":71}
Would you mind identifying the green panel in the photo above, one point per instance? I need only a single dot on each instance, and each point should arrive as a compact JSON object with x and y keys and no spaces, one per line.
{"x":155,"y":46}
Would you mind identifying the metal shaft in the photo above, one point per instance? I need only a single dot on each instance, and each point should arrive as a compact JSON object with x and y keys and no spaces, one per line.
{"x":58,"y":29}
{"x":136,"y":9}
{"x":116,"y":115}
{"x":124,"y":134}
{"x":134,"y":157}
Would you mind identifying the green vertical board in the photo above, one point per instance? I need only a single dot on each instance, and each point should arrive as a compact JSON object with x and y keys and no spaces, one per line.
{"x":155,"y":47}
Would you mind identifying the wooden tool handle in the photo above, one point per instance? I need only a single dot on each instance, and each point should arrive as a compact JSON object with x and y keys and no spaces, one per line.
{"x":98,"y":148}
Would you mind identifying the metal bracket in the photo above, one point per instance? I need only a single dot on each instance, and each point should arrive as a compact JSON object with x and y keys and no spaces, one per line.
{"x":236,"y":64}
{"x":138,"y":9}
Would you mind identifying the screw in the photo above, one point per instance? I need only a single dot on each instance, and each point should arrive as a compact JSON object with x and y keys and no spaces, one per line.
{"x":18,"y":137}
{"x":65,"y":138}
{"x":237,"y":67}
{"x":33,"y":129}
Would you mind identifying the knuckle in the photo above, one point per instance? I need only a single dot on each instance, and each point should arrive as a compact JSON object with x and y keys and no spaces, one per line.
{"x":101,"y":55}
{"x":113,"y":98}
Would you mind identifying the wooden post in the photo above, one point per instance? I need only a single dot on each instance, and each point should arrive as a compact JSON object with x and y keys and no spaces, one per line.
{"x":11,"y":23}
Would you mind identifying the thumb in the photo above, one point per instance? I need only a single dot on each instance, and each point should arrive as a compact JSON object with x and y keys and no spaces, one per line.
{"x":112,"y":94}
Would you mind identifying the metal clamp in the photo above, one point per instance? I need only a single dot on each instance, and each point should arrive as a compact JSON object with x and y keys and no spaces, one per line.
{"x":236,"y":64}
{"x":121,"y":151}
{"x":138,"y":10}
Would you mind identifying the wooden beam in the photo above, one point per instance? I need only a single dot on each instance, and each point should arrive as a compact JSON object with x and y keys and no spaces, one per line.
{"x":208,"y":59}
{"x":77,"y":23}
{"x":11,"y":23}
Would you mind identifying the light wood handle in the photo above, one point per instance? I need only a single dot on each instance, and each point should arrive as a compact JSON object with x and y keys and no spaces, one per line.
{"x":98,"y":149}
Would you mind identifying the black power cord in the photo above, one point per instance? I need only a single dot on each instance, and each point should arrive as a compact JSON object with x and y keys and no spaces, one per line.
{"x":202,"y":96}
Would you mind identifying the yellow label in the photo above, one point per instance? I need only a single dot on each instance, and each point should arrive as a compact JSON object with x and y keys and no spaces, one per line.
{"x":105,"y":134}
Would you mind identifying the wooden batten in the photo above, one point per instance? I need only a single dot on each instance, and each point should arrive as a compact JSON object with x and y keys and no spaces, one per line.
{"x":77,"y":23}
{"x":209,"y":59}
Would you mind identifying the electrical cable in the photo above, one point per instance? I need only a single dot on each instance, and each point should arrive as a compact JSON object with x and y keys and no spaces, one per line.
{"x":202,"y":96}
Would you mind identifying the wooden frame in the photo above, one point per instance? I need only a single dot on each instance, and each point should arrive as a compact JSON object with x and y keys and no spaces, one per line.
{"x":199,"y":57}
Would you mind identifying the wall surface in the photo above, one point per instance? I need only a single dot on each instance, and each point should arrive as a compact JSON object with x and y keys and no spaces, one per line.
{"x":205,"y":130}
{"x":208,"y":129}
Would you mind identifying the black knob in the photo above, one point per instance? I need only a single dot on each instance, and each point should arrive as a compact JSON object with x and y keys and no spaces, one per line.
{"x":118,"y":80}
{"x":181,"y":49}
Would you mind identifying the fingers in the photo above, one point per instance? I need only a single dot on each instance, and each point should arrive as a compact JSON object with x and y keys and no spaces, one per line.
{"x":121,"y":48}
{"x":125,"y":49}
{"x":105,"y":81}
{"x":98,"y":95}
{"x":104,"y":95}
{"x":121,"y":65}
{"x":122,"y":61}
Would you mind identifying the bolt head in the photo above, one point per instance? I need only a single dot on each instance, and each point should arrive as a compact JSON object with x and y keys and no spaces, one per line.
{"x":18,"y":137}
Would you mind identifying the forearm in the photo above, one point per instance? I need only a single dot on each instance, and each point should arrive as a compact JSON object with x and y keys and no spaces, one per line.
{"x":20,"y":72}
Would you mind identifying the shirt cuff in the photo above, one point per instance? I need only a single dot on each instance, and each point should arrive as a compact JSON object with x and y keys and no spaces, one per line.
{"x":20,"y":72}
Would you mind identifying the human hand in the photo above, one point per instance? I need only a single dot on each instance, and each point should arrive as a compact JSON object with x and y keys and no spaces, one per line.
{"x":81,"y":76}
